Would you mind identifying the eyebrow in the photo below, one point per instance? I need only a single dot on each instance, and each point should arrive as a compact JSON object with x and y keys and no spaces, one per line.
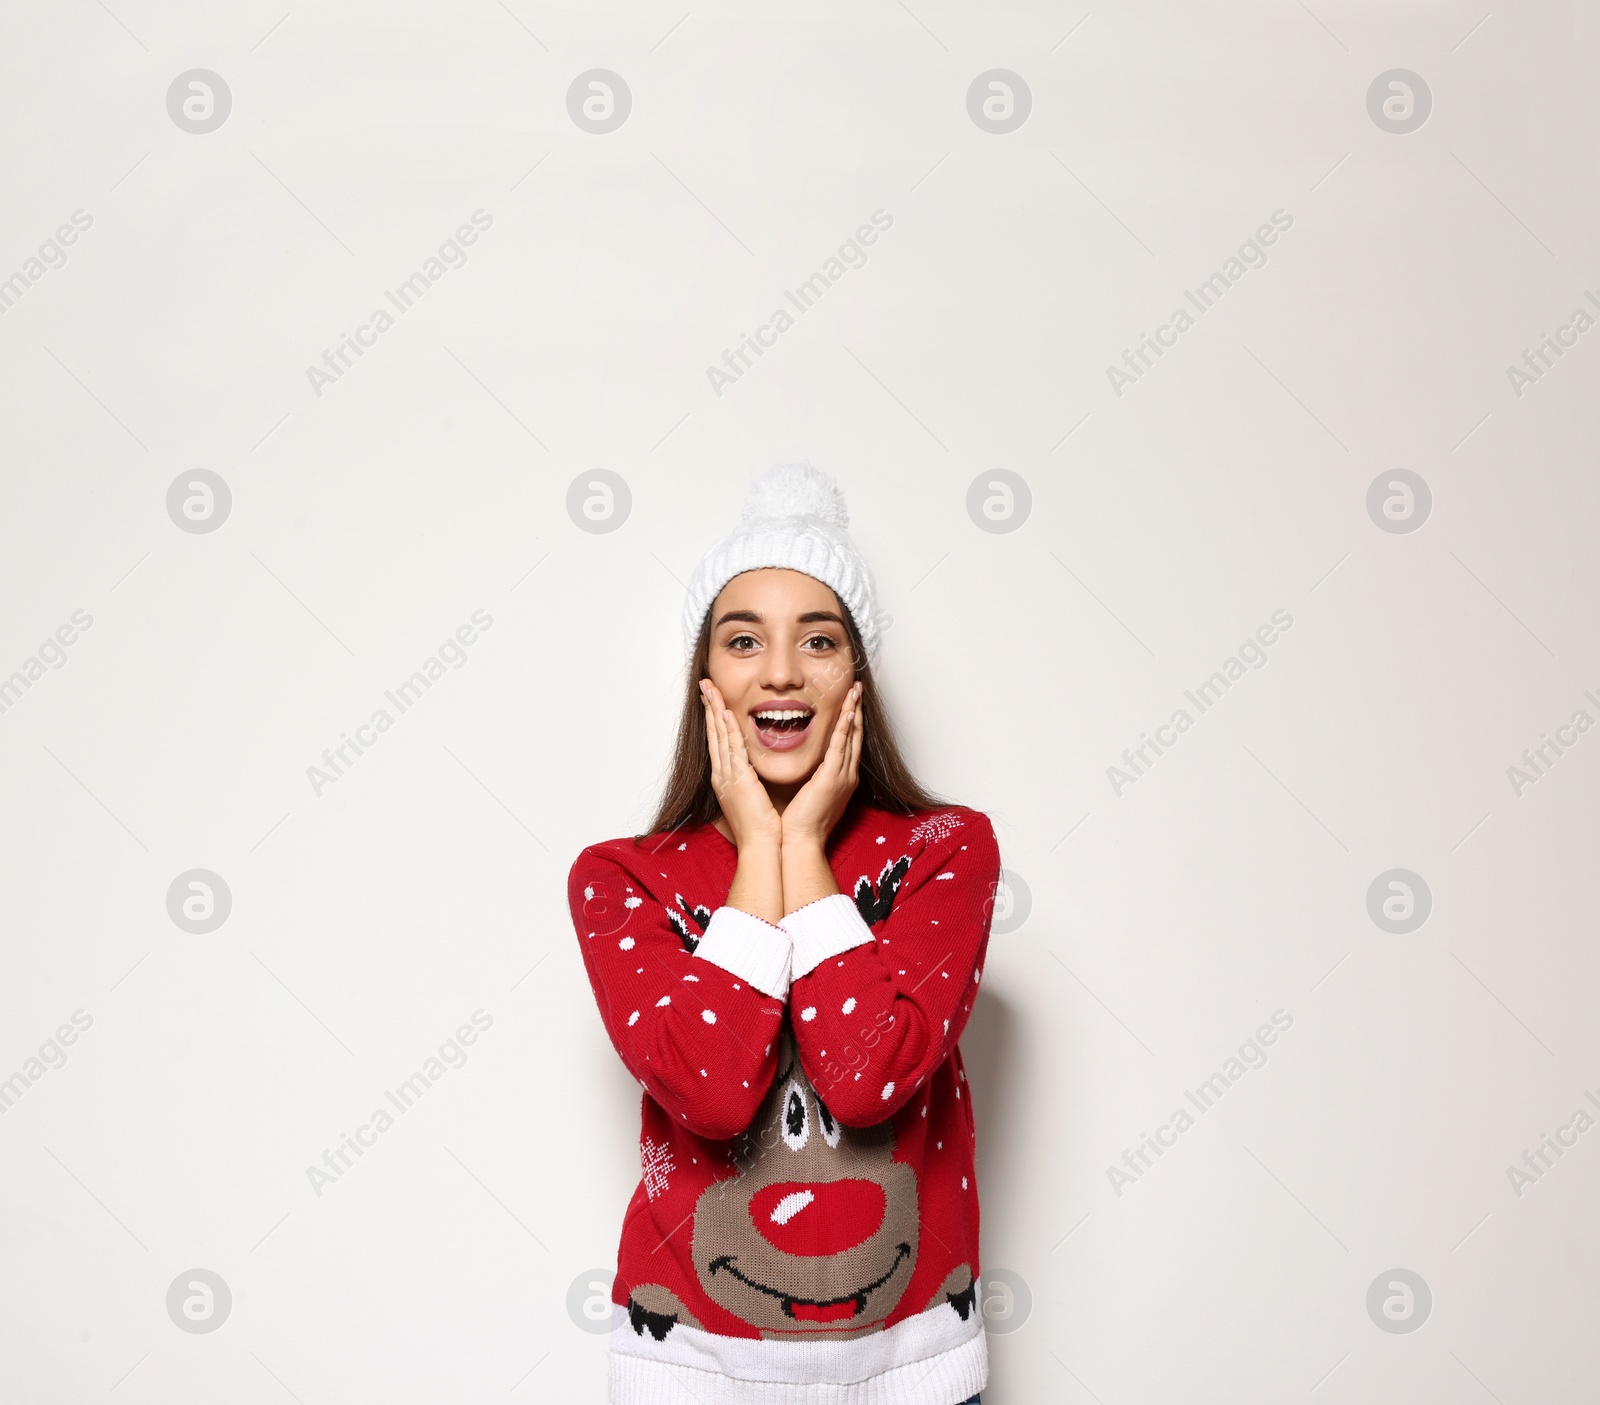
{"x":755,"y":617}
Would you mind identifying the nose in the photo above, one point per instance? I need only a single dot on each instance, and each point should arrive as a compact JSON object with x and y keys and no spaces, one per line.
{"x":813,"y":1218}
{"x":782,"y":671}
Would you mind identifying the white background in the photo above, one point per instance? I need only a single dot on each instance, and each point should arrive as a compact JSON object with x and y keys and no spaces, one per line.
{"x":1168,"y":921}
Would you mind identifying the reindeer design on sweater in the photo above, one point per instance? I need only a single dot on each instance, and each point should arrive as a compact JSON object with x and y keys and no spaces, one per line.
{"x":818,"y":1235}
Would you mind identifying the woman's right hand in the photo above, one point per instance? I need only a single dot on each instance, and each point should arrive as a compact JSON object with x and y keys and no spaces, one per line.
{"x":745,"y":803}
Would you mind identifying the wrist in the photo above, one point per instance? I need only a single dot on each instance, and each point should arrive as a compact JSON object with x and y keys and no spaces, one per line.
{"x":806,"y":874}
{"x":760,"y":839}
{"x":801,"y":841}
{"x":757,"y":886}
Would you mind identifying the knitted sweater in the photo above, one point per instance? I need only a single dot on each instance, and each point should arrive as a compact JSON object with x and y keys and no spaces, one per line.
{"x":806,"y":1228}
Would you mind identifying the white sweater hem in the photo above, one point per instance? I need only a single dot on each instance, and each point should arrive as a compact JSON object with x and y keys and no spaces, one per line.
{"x":743,"y":1377}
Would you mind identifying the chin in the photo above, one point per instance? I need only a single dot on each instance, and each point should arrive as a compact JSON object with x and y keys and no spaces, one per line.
{"x":786,"y":768}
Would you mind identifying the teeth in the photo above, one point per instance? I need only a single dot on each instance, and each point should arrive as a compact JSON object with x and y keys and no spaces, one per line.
{"x":793,"y":715}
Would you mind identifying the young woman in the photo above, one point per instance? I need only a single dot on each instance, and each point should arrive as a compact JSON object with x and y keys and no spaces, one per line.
{"x":785,"y":963}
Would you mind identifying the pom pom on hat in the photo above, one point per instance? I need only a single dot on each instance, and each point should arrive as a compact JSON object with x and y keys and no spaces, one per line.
{"x":794,"y":517}
{"x":795,"y":490}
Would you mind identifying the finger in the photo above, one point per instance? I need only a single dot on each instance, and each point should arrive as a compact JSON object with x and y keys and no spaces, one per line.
{"x":738,"y":757}
{"x":843,"y":730}
{"x":857,"y":732}
{"x":719,"y":711}
{"x":712,"y":748}
{"x":836,"y":758}
{"x":729,"y":770}
{"x":719,"y":743}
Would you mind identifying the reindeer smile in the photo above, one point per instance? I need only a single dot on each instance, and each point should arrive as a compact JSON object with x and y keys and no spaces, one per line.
{"x":838,"y":1309}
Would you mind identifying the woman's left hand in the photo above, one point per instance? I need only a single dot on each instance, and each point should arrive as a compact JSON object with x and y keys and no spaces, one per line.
{"x":809,"y":818}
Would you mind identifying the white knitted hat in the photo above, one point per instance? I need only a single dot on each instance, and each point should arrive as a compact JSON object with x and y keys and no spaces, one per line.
{"x":794,"y":517}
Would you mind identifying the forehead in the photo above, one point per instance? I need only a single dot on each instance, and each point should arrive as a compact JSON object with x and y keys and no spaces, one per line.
{"x":775,"y":593}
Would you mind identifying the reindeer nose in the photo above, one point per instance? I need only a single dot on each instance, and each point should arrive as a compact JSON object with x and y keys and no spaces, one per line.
{"x":813,"y":1218}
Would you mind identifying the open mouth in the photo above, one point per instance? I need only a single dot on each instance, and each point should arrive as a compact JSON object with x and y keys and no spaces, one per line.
{"x":782,"y":728}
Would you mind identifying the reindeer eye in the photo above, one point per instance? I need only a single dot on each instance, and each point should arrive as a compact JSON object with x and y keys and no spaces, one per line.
{"x":796,"y":1122}
{"x":830,"y":1128}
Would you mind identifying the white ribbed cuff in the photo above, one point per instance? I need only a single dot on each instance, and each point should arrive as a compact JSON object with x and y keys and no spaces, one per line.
{"x":824,"y":928}
{"x":752,"y":949}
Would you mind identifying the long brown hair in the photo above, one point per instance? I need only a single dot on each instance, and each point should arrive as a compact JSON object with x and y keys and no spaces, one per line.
{"x":885,"y":781}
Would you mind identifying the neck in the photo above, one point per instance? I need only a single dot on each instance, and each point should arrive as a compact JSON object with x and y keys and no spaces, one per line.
{"x":781,"y":795}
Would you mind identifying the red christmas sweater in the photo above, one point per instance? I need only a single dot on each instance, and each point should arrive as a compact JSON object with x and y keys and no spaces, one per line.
{"x":806,"y":1228}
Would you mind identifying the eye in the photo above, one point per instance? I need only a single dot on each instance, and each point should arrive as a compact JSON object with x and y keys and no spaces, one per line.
{"x":830,"y":1128}
{"x":823,"y":640}
{"x":796,"y":1120}
{"x":741,"y":643}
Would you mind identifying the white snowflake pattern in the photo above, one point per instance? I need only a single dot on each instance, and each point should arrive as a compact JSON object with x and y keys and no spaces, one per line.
{"x":656,"y":1158}
{"x":936,"y":827}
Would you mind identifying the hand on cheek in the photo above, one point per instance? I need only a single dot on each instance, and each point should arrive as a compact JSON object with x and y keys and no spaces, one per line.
{"x":745,"y":803}
{"x":809,"y":818}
